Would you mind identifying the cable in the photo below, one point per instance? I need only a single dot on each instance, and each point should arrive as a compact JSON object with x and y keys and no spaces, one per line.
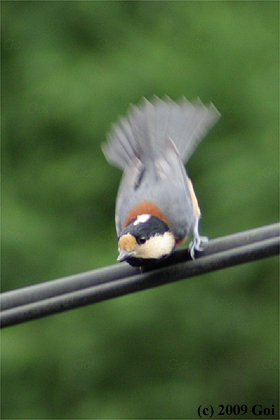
{"x":45,"y":299}
{"x":80,"y":281}
{"x":108,"y":290}
{"x":63,"y":285}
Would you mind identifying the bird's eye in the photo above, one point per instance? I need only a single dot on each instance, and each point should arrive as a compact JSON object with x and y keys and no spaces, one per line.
{"x":141,"y":240}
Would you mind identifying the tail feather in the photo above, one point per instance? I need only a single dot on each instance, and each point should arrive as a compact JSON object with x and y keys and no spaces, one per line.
{"x":199,"y":119}
{"x":143,"y":132}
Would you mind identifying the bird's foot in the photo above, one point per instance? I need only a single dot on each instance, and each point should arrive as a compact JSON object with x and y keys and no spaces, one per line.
{"x":197,"y":244}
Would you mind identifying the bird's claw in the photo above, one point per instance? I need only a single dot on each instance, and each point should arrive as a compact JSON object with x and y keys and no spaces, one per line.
{"x":197,"y":244}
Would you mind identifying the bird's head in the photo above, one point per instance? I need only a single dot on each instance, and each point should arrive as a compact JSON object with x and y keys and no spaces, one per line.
{"x":146,"y":239}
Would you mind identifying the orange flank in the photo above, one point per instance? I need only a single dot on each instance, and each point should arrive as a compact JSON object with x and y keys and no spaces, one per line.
{"x":180,"y":242}
{"x":196,"y":209}
{"x":144,"y":207}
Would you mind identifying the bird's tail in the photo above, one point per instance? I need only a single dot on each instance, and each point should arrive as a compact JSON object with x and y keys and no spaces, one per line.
{"x":144,"y":130}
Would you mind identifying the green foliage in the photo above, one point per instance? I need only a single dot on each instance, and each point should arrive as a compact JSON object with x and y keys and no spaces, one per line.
{"x":68,"y":70}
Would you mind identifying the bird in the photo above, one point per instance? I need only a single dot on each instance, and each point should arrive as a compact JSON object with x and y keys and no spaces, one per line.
{"x":156,"y":205}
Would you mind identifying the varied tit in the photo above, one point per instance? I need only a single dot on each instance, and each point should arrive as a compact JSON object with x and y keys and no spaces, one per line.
{"x":156,"y":206}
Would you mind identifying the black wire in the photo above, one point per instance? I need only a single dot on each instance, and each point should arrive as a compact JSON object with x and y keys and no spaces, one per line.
{"x":63,"y":285}
{"x":41,"y":300}
{"x":81,"y":281}
{"x":154,"y":278}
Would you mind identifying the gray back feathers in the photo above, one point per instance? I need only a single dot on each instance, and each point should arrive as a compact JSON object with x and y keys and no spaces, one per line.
{"x":143,"y":133}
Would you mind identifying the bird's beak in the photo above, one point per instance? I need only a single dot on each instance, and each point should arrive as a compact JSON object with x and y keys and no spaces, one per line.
{"x":124,"y":254}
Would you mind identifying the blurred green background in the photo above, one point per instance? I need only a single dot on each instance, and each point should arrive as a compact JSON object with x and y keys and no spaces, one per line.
{"x":69,"y":69}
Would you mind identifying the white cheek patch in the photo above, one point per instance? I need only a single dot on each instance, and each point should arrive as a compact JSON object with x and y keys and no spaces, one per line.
{"x":156,"y":247}
{"x":142,"y":218}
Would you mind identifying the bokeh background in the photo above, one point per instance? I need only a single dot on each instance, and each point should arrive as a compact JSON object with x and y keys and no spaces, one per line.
{"x":69,"y":69}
